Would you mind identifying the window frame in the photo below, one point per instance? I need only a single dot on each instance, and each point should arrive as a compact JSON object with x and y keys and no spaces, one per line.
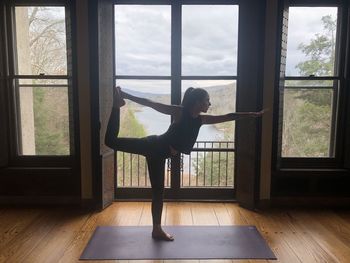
{"x":176,"y":79}
{"x":15,"y":158}
{"x":338,"y":120}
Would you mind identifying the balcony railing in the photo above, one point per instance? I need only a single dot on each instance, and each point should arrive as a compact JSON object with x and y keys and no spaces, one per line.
{"x":210,"y":165}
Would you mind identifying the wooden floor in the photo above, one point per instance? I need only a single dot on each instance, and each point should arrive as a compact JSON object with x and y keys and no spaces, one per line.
{"x":60,"y":234}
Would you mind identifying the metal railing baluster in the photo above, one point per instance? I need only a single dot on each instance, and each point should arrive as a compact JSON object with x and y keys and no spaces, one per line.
{"x":206,"y":159}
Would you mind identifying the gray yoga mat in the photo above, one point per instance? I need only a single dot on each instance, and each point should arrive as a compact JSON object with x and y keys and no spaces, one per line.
{"x":191,"y":242}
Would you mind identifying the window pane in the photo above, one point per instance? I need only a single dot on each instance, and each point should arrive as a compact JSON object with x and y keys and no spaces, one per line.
{"x":140,"y":121}
{"x":209,"y":40}
{"x":307,"y":123}
{"x":41,"y":40}
{"x":36,"y":82}
{"x":44,"y":120}
{"x":222,"y":95}
{"x":206,"y":168}
{"x":310,"y":83}
{"x":142,"y":38}
{"x":311,"y":41}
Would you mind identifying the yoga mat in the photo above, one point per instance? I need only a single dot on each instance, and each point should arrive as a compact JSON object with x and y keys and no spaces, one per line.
{"x":191,"y":242}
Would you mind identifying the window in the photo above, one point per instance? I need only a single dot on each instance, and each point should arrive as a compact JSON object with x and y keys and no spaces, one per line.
{"x":41,"y":81}
{"x":160,"y":51}
{"x":311,"y":83}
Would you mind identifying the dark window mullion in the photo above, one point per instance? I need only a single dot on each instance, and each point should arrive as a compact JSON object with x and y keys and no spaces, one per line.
{"x":176,"y":42}
{"x":334,"y":119}
{"x":309,"y":87}
{"x":44,"y":85}
{"x":180,"y":2}
{"x":144,"y":77}
{"x":18,"y":127}
{"x":340,"y":91}
{"x":152,"y":77}
{"x":311,"y":78}
{"x":40,"y":3}
{"x":209,"y":77}
{"x":43,"y":76}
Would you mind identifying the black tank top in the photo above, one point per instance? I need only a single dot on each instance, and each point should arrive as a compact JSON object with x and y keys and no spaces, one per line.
{"x":183,"y":134}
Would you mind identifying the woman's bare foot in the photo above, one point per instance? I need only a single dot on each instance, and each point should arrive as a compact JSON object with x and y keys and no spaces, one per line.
{"x":118,"y":101}
{"x":159,"y":234}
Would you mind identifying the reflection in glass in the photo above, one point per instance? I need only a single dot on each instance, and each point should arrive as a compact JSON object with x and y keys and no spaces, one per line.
{"x":209,"y":40}
{"x":41,"y":40}
{"x":312,"y":34}
{"x":142,"y":39}
{"x":307,"y":123}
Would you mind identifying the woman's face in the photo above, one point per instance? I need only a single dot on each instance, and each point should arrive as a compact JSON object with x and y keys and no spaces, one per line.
{"x":204,"y":104}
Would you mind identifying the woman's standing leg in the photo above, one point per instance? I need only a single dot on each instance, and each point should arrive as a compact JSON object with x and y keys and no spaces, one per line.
{"x":156,"y":167}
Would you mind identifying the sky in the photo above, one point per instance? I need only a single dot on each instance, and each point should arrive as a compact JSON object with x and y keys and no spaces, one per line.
{"x":209,"y":41}
{"x":143,"y":43}
{"x":304,"y":24}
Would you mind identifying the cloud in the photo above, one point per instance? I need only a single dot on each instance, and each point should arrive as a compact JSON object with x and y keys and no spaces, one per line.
{"x":143,"y":40}
{"x":209,"y":40}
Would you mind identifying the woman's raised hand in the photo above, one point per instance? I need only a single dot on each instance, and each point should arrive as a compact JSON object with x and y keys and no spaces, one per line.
{"x":259,"y":113}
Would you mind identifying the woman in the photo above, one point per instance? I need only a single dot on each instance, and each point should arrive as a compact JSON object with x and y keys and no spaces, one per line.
{"x":179,"y":138}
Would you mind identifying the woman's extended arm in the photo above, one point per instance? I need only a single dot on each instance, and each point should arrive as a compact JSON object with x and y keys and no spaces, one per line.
{"x":212,"y":119}
{"x":163,"y":108}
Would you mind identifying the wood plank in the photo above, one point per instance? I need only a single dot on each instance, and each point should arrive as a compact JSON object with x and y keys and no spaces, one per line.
{"x":273,"y":236}
{"x":146,"y":214}
{"x":203,"y":214}
{"x":114,"y":214}
{"x":303,"y":245}
{"x":13,"y":222}
{"x":228,"y":214}
{"x":235,"y":216}
{"x":52,"y":247}
{"x":179,"y":214}
{"x":75,"y":247}
{"x":222,"y":215}
{"x":339,"y":226}
{"x":127,"y":213}
{"x":19,"y":247}
{"x":324,"y":237}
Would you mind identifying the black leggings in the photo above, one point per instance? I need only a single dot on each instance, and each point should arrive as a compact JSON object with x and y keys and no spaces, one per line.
{"x":152,"y":148}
